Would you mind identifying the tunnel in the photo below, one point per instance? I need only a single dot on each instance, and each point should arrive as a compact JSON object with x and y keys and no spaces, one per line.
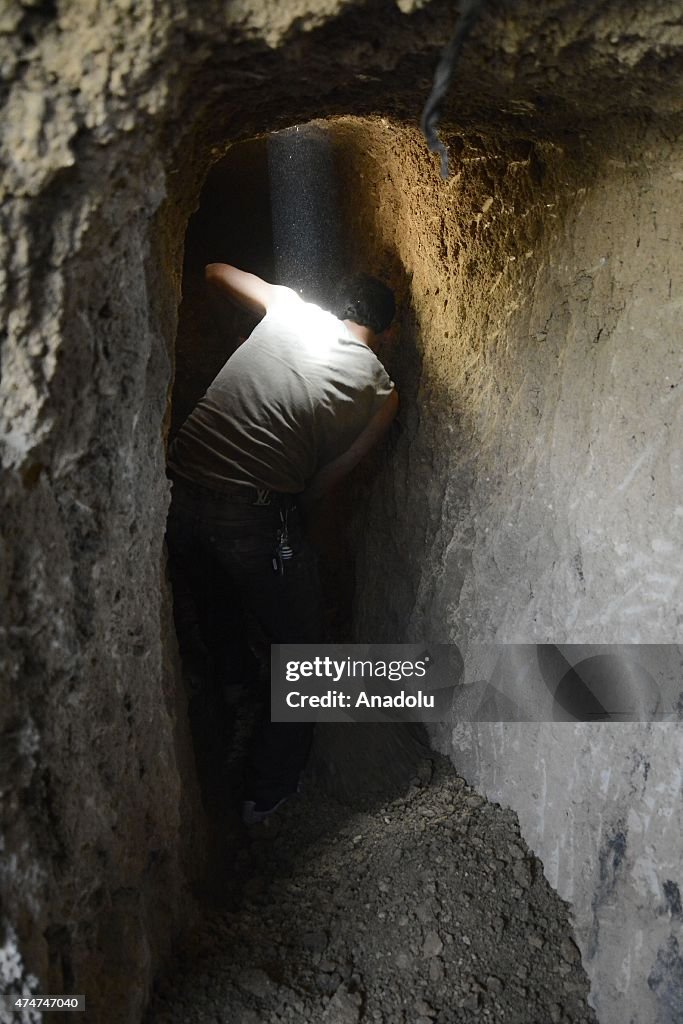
{"x":528,"y":495}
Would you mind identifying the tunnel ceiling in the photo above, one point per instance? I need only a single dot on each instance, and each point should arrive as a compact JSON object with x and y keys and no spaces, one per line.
{"x":215,"y":71}
{"x":548,"y":68}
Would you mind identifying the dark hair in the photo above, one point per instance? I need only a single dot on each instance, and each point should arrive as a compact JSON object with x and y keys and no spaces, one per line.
{"x":366,"y":301}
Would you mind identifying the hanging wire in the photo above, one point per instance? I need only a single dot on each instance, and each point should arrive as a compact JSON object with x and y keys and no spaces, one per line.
{"x":469,"y":12}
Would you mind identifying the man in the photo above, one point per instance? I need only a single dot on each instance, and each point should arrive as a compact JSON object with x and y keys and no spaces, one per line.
{"x":289,"y":415}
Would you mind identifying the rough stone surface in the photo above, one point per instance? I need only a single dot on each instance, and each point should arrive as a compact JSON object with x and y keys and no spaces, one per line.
{"x":537,"y":456}
{"x":543,"y":282}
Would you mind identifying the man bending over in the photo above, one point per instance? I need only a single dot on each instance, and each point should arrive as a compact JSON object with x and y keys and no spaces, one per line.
{"x":291,"y":412}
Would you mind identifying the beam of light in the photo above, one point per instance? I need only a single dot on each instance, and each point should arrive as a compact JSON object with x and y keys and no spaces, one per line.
{"x":305,"y":211}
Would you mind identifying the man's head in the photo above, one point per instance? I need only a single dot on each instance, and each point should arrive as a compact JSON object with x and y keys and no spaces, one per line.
{"x":366,"y":301}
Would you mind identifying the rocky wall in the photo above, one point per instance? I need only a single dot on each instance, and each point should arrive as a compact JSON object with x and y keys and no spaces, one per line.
{"x":97,"y":785}
{"x":532,"y":487}
{"x":582,"y":544}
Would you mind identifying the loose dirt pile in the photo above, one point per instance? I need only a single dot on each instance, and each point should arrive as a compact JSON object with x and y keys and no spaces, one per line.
{"x":429,"y":909}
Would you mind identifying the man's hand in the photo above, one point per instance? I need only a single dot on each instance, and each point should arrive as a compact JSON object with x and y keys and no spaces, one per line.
{"x":247,"y":290}
{"x":334,"y":471}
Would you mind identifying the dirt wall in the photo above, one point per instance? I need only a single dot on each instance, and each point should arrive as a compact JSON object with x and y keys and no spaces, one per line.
{"x":532,"y":488}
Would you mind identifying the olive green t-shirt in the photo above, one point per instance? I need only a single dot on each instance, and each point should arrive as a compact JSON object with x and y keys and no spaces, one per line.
{"x":293,"y":396}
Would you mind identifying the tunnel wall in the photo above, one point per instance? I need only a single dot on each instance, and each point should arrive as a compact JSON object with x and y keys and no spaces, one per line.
{"x":101,"y":835}
{"x":577,"y":525}
{"x":97,"y":782}
{"x":533,"y":490}
{"x":578,"y":539}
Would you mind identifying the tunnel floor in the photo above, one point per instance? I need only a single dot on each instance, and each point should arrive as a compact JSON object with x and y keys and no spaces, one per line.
{"x":429,"y":909}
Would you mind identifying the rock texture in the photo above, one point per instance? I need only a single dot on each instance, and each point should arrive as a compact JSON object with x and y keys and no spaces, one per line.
{"x":542,"y":284}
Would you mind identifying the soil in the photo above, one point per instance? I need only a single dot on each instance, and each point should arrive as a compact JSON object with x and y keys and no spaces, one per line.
{"x":428,"y":909}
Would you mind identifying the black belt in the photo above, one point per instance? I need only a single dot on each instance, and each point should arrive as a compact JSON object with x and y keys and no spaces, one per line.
{"x":257,"y":497}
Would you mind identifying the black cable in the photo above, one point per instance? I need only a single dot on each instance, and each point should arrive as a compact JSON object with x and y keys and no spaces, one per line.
{"x":469,"y":12}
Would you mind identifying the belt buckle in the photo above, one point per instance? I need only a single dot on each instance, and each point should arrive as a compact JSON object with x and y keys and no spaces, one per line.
{"x":263,"y":495}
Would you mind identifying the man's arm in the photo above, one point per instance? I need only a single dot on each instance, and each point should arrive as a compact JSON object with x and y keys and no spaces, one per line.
{"x":334,"y":471}
{"x":247,"y":290}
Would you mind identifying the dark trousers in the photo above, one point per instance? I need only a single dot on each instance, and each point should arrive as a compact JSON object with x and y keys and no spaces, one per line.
{"x":220,"y":555}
